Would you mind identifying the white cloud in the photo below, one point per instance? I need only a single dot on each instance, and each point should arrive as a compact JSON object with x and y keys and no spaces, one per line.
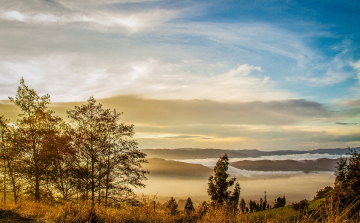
{"x":83,"y":76}
{"x":14,"y":15}
{"x":356,"y":66}
{"x":242,"y":70}
{"x":252,"y":37}
{"x":329,"y":72}
{"x":134,"y":22}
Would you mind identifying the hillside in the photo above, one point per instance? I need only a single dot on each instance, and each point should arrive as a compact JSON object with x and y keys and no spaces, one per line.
{"x":190,"y":153}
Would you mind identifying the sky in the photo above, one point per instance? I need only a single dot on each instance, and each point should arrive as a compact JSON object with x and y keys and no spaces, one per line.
{"x":262,"y":74}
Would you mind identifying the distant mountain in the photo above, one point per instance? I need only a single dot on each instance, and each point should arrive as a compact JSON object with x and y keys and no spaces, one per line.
{"x":287,"y":165}
{"x":191,"y":153}
{"x":196,"y":153}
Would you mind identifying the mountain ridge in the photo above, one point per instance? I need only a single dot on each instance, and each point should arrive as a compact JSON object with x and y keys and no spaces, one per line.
{"x":197,"y":153}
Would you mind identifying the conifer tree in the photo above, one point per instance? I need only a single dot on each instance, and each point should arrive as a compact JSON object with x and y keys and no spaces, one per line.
{"x":233,"y":201}
{"x":242,"y":205}
{"x":189,"y":207}
{"x":346,"y":192}
{"x":172,"y":206}
{"x":218,"y":184}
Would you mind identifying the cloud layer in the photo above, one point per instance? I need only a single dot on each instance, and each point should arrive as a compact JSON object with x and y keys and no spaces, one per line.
{"x":256,"y":74}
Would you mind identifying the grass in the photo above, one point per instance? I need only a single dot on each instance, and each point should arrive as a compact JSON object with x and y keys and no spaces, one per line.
{"x":81,"y":212}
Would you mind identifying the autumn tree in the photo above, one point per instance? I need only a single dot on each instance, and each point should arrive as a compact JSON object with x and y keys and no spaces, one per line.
{"x":10,"y":156}
{"x":218,"y":184}
{"x":108,"y":159}
{"x":36,"y":131}
{"x":4,"y":132}
{"x":63,"y":169}
{"x":121,"y":160}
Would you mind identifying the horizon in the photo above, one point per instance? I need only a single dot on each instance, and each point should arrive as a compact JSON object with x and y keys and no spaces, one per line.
{"x":206,"y":74}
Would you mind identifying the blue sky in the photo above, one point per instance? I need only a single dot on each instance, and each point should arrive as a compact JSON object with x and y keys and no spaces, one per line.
{"x":292,"y":68}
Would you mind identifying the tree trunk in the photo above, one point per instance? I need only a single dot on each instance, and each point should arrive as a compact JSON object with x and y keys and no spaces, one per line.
{"x":92,"y":182}
{"x":107,"y":178}
{"x":12,"y":181}
{"x":99,"y":182}
{"x":4,"y":180}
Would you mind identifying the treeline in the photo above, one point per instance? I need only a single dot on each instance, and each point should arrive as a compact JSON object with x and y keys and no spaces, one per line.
{"x":92,"y":157}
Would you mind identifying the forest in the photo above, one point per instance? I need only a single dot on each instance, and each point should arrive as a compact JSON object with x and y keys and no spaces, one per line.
{"x":85,"y":170}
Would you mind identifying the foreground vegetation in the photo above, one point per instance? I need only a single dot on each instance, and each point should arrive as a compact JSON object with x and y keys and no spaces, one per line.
{"x":144,"y":212}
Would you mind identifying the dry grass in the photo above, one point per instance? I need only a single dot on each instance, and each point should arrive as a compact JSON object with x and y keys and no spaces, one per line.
{"x":81,"y":212}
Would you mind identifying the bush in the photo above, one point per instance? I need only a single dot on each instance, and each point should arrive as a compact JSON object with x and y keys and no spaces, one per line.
{"x":301,"y":205}
{"x":322,"y":193}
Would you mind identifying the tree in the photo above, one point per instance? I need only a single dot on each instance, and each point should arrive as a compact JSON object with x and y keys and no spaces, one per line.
{"x":264,"y":204}
{"x":233,"y":201}
{"x":172,"y":206}
{"x":4,"y":131}
{"x":202,"y":209}
{"x":108,"y":159}
{"x":341,"y":170}
{"x":218,"y":184}
{"x":62,"y":172}
{"x":189,"y":207}
{"x":10,"y":156}
{"x":280,"y":202}
{"x":36,"y":132}
{"x":346,"y":192}
{"x":242,"y":205}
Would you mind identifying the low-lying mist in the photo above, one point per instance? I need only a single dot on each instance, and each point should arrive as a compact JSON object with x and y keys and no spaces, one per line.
{"x":181,"y":180}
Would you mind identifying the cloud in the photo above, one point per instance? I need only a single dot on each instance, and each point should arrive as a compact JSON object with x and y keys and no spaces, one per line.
{"x":344,"y":123}
{"x":348,"y":138}
{"x":356,"y":66}
{"x":324,"y":70}
{"x":249,"y":38}
{"x":83,"y":76}
{"x":274,"y":125}
{"x":134,"y":22}
{"x":352,"y":103}
{"x":213,"y":112}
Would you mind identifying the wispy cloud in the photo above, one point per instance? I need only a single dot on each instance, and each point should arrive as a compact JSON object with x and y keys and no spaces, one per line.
{"x":344,"y":123}
{"x":356,"y":66}
{"x":149,"y":78}
{"x":133,"y":23}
